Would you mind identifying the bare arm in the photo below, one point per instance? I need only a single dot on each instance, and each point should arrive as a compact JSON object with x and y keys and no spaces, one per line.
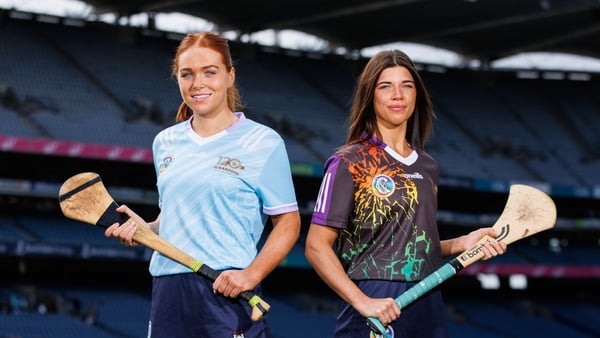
{"x":283,"y":236}
{"x":319,"y":252}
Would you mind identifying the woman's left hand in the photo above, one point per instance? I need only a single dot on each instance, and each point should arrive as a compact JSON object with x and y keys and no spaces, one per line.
{"x":490,"y":248}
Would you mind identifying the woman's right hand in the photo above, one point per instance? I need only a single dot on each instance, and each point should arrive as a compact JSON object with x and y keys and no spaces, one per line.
{"x":385,"y":309}
{"x":125,"y":232}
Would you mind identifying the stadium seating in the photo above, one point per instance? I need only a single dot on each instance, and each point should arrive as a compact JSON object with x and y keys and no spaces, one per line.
{"x":112,"y":85}
{"x":69,"y":92}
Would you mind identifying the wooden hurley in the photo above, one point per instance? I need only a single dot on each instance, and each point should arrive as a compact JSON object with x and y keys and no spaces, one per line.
{"x":527,"y":211}
{"x":84,"y":198}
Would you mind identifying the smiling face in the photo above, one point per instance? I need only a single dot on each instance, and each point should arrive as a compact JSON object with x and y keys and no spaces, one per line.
{"x":395,"y":97}
{"x":203,"y":80}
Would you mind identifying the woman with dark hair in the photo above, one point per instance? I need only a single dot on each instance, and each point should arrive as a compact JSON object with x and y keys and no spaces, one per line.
{"x":374,"y":232}
{"x":220,"y":176}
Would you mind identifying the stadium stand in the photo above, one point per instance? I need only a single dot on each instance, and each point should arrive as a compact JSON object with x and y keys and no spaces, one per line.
{"x":102,"y":85}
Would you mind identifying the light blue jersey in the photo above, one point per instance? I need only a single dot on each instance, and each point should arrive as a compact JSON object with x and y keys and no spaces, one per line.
{"x":215,"y":193}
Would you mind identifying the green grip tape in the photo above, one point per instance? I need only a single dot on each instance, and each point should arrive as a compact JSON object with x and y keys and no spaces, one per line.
{"x":254,"y":300}
{"x":425,"y":285}
{"x":196,"y":265}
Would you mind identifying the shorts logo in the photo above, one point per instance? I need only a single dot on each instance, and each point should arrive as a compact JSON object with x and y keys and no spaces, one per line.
{"x":239,"y":333}
{"x":389,"y":333}
{"x":230,"y":165}
{"x":383,"y":186}
{"x":165,"y":163}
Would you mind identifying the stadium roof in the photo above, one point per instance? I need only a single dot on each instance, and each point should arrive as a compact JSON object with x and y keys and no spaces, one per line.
{"x":486,"y":30}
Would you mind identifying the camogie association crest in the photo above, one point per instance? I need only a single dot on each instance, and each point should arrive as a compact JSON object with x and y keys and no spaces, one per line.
{"x":383,"y":186}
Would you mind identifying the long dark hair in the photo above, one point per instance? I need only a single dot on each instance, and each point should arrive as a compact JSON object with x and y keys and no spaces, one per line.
{"x":362,"y":117}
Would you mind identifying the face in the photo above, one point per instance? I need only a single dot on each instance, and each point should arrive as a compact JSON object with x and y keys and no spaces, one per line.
{"x":395,"y":97}
{"x":203,"y":80}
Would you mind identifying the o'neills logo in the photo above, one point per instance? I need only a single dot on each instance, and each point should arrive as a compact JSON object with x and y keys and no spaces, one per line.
{"x":230,"y":165}
{"x":414,"y":176}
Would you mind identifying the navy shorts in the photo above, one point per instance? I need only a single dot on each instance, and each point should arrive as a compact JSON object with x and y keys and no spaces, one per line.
{"x":423,"y":318}
{"x":184,"y":306}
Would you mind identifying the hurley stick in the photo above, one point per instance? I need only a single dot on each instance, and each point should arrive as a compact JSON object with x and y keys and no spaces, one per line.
{"x":84,"y":198}
{"x":527,"y":211}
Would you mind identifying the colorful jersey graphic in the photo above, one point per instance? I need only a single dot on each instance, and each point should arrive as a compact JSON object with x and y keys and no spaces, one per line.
{"x":385,"y":206}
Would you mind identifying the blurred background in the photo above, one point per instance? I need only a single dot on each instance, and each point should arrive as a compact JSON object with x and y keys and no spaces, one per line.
{"x":85,"y":86}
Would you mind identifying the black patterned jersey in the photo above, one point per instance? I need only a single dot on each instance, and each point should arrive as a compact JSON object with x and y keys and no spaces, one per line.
{"x":385,"y":206}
